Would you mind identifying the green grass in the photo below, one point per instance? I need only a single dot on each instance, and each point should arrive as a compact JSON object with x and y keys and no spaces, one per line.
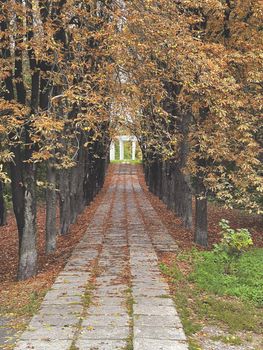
{"x":194,"y":345}
{"x":129,"y":301}
{"x":228,"y":339}
{"x":33,"y":304}
{"x":18,"y":315}
{"x":129,"y":304}
{"x":183,"y":300}
{"x":129,"y":345}
{"x":234,"y":314}
{"x":172,"y":271}
{"x":87,"y":296}
{"x":244,"y":279}
{"x":207,"y":295}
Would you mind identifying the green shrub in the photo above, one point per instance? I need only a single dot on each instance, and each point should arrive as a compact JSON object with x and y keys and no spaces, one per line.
{"x":234,"y":242}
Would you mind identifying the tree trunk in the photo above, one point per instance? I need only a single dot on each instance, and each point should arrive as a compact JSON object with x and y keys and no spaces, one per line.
{"x":80,"y":203}
{"x":80,"y":196}
{"x":158,"y":175}
{"x":16,"y":172}
{"x":28,"y":251}
{"x":201,"y":235}
{"x":169,"y":186}
{"x":74,"y":181}
{"x":51,"y":200}
{"x":188,"y":208}
{"x":172,"y":189}
{"x":177,"y":190}
{"x":2,"y":205}
{"x":88,"y":184}
{"x":164,"y":182}
{"x":64,"y":191}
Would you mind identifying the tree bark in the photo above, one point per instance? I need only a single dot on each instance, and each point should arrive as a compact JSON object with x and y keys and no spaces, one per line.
{"x":177,"y":190}
{"x":201,"y":234}
{"x":51,"y":200}
{"x":2,"y":205}
{"x":16,"y":166}
{"x":164,"y":182}
{"x":28,"y":252}
{"x":188,"y":208}
{"x":74,"y":181}
{"x":172,"y":189}
{"x":159,"y":180}
{"x":80,"y":200}
{"x":27,"y":266}
{"x":64,"y":192}
{"x":17,"y":187}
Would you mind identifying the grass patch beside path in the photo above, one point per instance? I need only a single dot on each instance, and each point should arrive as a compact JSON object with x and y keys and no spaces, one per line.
{"x":243,"y":280}
{"x":24,"y":300}
{"x":206,"y":296}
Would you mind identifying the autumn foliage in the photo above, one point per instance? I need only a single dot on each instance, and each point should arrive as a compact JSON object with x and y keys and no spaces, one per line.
{"x":184,"y":76}
{"x":193,"y":69}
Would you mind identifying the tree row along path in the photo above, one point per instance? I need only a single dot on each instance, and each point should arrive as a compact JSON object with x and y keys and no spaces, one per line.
{"x":111,"y":294}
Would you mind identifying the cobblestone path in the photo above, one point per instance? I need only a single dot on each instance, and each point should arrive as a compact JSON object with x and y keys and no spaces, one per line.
{"x":111,"y":294}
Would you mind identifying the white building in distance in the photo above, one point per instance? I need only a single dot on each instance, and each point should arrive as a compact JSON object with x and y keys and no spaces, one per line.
{"x":121,"y":140}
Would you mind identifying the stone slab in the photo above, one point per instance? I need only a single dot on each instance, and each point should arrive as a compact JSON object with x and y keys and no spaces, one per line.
{"x":43,"y":320}
{"x":104,"y":332}
{"x":106,"y":344}
{"x":106,"y":321}
{"x":157,"y":301}
{"x":44,"y":345}
{"x":107,"y":310}
{"x":154,"y":344}
{"x":61,"y":310}
{"x":159,"y":332}
{"x":49,"y":333}
{"x":153,"y":320}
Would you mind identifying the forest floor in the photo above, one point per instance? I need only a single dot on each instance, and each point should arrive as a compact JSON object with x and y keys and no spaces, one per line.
{"x":208,"y":329}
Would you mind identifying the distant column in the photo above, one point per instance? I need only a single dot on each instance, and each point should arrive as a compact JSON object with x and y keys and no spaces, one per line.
{"x":133,"y":150}
{"x":121,"y":150}
{"x":112,"y":151}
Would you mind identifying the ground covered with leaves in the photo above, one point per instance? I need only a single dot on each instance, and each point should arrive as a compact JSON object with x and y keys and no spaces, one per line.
{"x":216,"y":212}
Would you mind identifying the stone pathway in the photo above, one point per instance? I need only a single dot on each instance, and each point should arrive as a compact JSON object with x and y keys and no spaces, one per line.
{"x":111,"y":294}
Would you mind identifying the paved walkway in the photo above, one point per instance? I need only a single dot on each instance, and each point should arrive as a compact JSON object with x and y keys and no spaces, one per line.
{"x":111,"y":294}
